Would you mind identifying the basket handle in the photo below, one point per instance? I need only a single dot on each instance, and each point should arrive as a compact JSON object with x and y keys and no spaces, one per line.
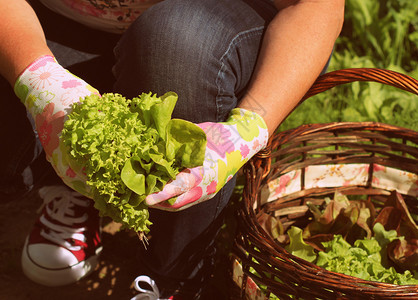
{"x":329,"y":80}
{"x":332,"y":79}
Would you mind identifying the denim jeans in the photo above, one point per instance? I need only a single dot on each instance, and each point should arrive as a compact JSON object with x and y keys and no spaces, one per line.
{"x":205,"y":51}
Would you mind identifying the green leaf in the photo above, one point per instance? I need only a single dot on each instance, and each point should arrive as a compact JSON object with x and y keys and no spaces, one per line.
{"x":298,"y":247}
{"x":186,"y":143}
{"x":382,"y":236}
{"x":161,"y":112}
{"x":370,"y":245}
{"x":366,"y":259}
{"x":133,"y":175}
{"x":164,"y":165}
{"x":143,"y":105}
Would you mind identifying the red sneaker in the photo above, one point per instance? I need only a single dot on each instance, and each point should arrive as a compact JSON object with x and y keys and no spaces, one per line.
{"x":64,"y":243}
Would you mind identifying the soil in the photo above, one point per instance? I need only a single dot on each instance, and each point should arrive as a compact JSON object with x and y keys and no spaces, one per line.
{"x":112,"y":278}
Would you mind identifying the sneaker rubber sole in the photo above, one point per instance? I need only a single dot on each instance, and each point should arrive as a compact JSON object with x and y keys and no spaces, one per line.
{"x":57,"y":276}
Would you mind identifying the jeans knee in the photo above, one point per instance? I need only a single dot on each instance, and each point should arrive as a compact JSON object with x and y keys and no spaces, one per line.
{"x":160,"y":43}
{"x":181,"y":26}
{"x":204,"y":50}
{"x":176,"y":53}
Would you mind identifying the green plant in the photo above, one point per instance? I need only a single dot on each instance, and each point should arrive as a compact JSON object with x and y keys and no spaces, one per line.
{"x":376,"y":34}
{"x":130,"y":149}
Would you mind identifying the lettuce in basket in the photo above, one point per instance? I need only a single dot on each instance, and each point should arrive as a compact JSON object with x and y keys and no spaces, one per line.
{"x":366,"y":258}
{"x":130,"y":148}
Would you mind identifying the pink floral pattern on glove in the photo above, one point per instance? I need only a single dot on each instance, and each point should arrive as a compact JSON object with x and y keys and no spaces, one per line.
{"x":48,"y":91}
{"x":218,"y":138}
{"x":230,"y":145}
{"x":49,"y":126}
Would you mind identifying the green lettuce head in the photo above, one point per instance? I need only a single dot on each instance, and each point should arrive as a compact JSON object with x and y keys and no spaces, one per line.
{"x":130,"y":149}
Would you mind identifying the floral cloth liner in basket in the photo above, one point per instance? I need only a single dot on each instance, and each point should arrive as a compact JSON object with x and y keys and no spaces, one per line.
{"x":321,"y":176}
{"x":253,"y":292}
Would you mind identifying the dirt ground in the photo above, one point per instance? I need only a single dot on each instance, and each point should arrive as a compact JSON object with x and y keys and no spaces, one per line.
{"x":112,"y":279}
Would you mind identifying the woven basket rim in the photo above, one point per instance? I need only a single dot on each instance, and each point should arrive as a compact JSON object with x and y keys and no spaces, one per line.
{"x":259,"y":166}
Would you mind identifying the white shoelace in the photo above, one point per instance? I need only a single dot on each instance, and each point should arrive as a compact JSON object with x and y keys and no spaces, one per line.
{"x":64,"y":201}
{"x":145,"y":294}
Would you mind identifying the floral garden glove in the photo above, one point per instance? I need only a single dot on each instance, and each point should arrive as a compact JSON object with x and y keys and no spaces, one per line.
{"x":230,"y":145}
{"x":48,"y":92}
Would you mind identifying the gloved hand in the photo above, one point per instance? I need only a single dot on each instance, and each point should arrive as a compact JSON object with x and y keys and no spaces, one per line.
{"x":48,"y":90}
{"x":230,"y":145}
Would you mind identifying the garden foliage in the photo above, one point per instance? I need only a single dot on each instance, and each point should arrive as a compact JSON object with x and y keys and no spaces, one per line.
{"x":376,"y":34}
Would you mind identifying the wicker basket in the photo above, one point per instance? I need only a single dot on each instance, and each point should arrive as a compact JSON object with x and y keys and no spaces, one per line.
{"x":315,"y":149}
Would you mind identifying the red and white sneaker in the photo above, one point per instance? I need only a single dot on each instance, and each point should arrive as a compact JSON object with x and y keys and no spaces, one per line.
{"x":64,"y":243}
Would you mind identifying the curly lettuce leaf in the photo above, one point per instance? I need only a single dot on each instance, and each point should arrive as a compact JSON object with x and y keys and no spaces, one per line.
{"x":130,"y":149}
{"x":366,"y":259}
